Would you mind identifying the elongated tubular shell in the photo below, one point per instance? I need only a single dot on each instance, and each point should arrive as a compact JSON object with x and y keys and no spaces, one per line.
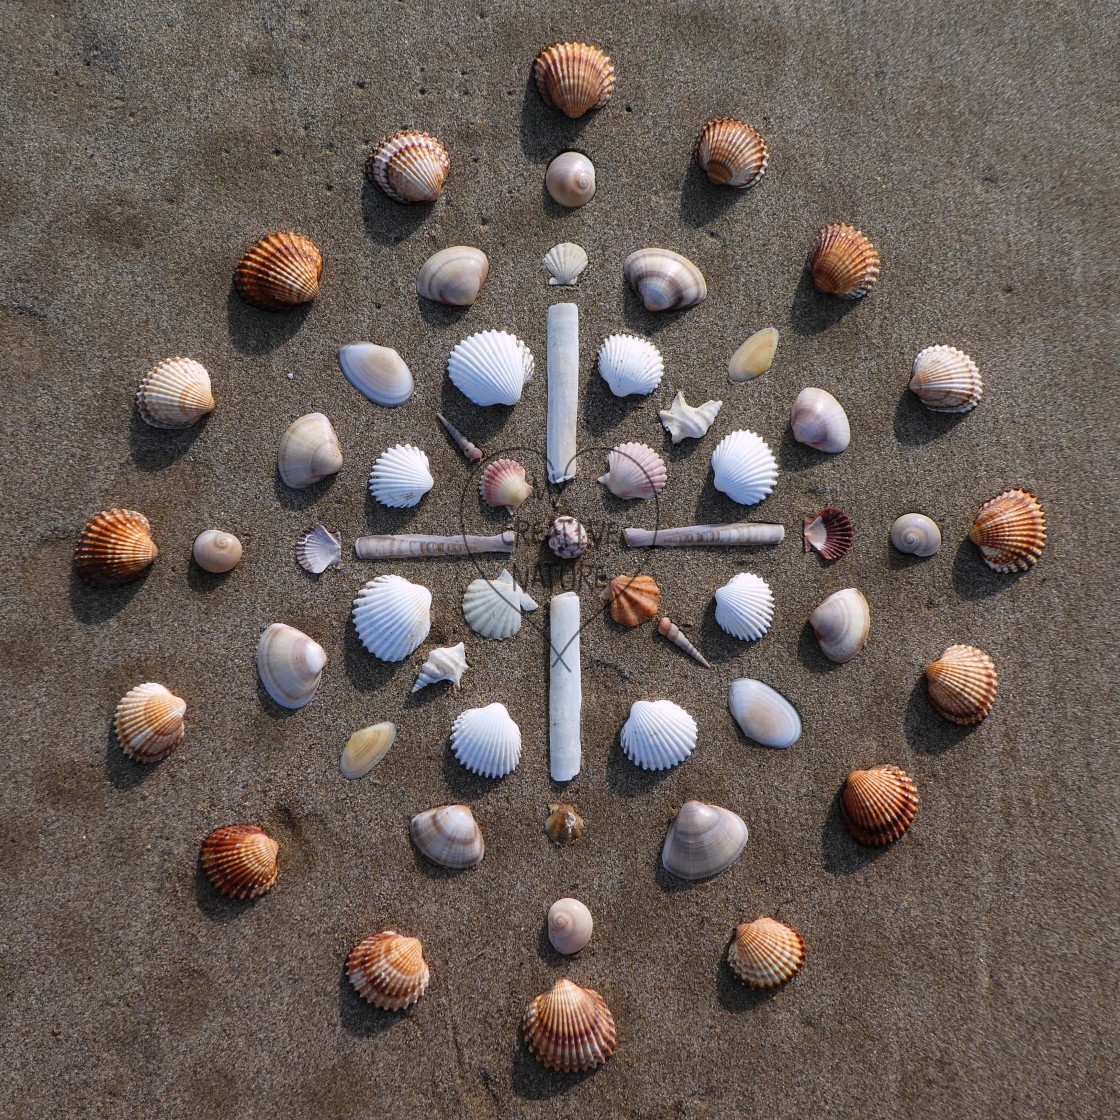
{"x":635,"y":471}
{"x":683,"y":421}
{"x":570,"y":180}
{"x":569,"y":925}
{"x":504,"y":483}
{"x":763,"y":714}
{"x":290,"y":665}
{"x":879,"y":805}
{"x":745,"y":606}
{"x":755,"y":356}
{"x":565,"y":687}
{"x":388,"y":970}
{"x":280,"y":272}
{"x":658,"y":734}
{"x":844,"y":262}
{"x":830,"y":533}
{"x":240,"y":860}
{"x":765,"y":953}
{"x":691,"y":536}
{"x":633,"y":599}
{"x":115,"y":546}
{"x":665,"y":280}
{"x":365,"y":749}
{"x":174,"y":394}
{"x":561,"y":421}
{"x":818,"y":420}
{"x":392,"y":616}
{"x":564,"y":825}
{"x":449,"y":836}
{"x":573,"y":77}
{"x":703,"y":840}
{"x":409,"y":166}
{"x":1010,"y":531}
{"x":946,"y":380}
{"x":841,"y":623}
{"x":308,"y":451}
{"x":962,"y":684}
{"x":565,"y":263}
{"x":216,"y":551}
{"x":446,"y":663}
{"x":386,"y":546}
{"x":377,"y":372}
{"x":731,"y":152}
{"x":669,"y":629}
{"x":453,"y":276}
{"x":318,"y":549}
{"x":490,"y":367}
{"x":570,"y":1029}
{"x":401,"y":476}
{"x":916,"y":534}
{"x":630,"y":365}
{"x":486,"y":741}
{"x":744,"y":467}
{"x":149,"y":722}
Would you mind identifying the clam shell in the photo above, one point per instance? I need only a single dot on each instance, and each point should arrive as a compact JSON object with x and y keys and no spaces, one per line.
{"x":308,"y":451}
{"x":453,"y":276}
{"x":216,"y":551}
{"x":569,"y":925}
{"x":634,"y":599}
{"x":665,"y":280}
{"x":755,"y":356}
{"x":446,"y":663}
{"x":1010,"y":531}
{"x":504,"y":483}
{"x":573,"y":77}
{"x":449,"y":836}
{"x":492,"y":607}
{"x":409,"y":166}
{"x":682,"y":421}
{"x":841,"y":624}
{"x":744,"y":467}
{"x":745,"y":606}
{"x":149,"y":722}
{"x":388,"y":970}
{"x":174,"y":394}
{"x":962,"y":684}
{"x":916,"y":534}
{"x":240,"y":860}
{"x":830,"y":533}
{"x":567,"y":538}
{"x":570,"y":1029}
{"x":946,"y":380}
{"x":392,"y":616}
{"x":564,"y":824}
{"x":879,"y":805}
{"x":280,"y":271}
{"x":570,"y":180}
{"x":377,"y":372}
{"x":486,"y":741}
{"x":290,"y":665}
{"x":490,"y":367}
{"x":566,"y":263}
{"x":658,"y":734}
{"x":844,"y":262}
{"x":765,"y":953}
{"x":318,"y":549}
{"x":115,"y":546}
{"x":763,"y":714}
{"x":365,"y":749}
{"x":635,"y":471}
{"x":731,"y":152}
{"x":818,"y":420}
{"x":400,"y":477}
{"x":702,"y":841}
{"x":630,"y":365}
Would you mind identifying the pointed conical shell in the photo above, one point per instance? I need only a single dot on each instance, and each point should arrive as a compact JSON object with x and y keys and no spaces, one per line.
{"x":946,"y":380}
{"x":841,"y":624}
{"x":879,"y":805}
{"x":115,"y":546}
{"x":1010,"y":531}
{"x":570,"y":1029}
{"x":216,"y":551}
{"x":570,"y":180}
{"x":573,"y":77}
{"x":449,"y":836}
{"x":308,"y":452}
{"x":377,"y":372}
{"x":634,"y":599}
{"x":630,"y":365}
{"x":401,"y":476}
{"x":844,"y":262}
{"x":916,"y":534}
{"x":447,"y":663}
{"x":240,"y":860}
{"x":744,"y":467}
{"x":703,"y":840}
{"x":658,"y":734}
{"x":490,"y":367}
{"x":409,"y":166}
{"x":755,"y":356}
{"x":564,"y":824}
{"x":492,"y":607}
{"x":830,"y":533}
{"x":962,"y":684}
{"x":765,"y":953}
{"x":682,"y":421}
{"x":731,"y":152}
{"x":175,"y":394}
{"x":280,"y":271}
{"x":665,"y":280}
{"x":565,"y":262}
{"x":672,"y":631}
{"x":318,"y":549}
{"x":745,"y":606}
{"x":569,"y":925}
{"x":392,"y":616}
{"x":290,"y":665}
{"x":818,"y":419}
{"x":636,"y":471}
{"x":388,"y":970}
{"x":365,"y":749}
{"x":486,"y":741}
{"x":763,"y":714}
{"x":504,"y":483}
{"x":149,"y":722}
{"x":453,"y":276}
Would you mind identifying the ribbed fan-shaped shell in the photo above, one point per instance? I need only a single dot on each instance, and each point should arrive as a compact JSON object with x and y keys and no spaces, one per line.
{"x":448,"y":835}
{"x":1010,"y":531}
{"x":490,"y":367}
{"x":818,"y":420}
{"x":487,"y":741}
{"x":658,"y":734}
{"x":879,"y":805}
{"x":446,"y":663}
{"x":388,"y":970}
{"x":744,"y":467}
{"x":765,"y":953}
{"x":492,"y":607}
{"x":115,"y":546}
{"x":504,"y":483}
{"x":763,"y":714}
{"x":830,"y":533}
{"x":634,"y":599}
{"x":453,"y":276}
{"x":703,"y":840}
{"x":318,"y":549}
{"x":946,"y":380}
{"x":844,"y":262}
{"x":240,"y":860}
{"x":175,"y":394}
{"x":401,"y":476}
{"x":377,"y":372}
{"x":745,"y":606}
{"x":290,"y":665}
{"x":574,"y":77}
{"x":149,"y":722}
{"x":570,"y":1029}
{"x":841,"y":624}
{"x":308,"y":451}
{"x":392,"y":616}
{"x":630,"y":365}
{"x":635,"y":471}
{"x":731,"y":152}
{"x":916,"y":534}
{"x":565,"y":262}
{"x":682,"y":421}
{"x":665,"y":280}
{"x":409,"y":166}
{"x":280,"y":271}
{"x":962,"y":684}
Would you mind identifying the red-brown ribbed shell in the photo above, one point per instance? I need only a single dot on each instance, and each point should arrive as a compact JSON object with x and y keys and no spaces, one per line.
{"x":570,"y":1028}
{"x":830,"y":533}
{"x":1010,"y":531}
{"x":844,"y":262}
{"x":116,"y":546}
{"x":765,"y":953}
{"x":574,"y":77}
{"x":409,"y":166}
{"x":731,"y":152}
{"x":149,"y":722}
{"x":879,"y":805}
{"x":280,"y":271}
{"x":634,"y":599}
{"x":962,"y":684}
{"x":388,"y":970}
{"x":240,"y":860}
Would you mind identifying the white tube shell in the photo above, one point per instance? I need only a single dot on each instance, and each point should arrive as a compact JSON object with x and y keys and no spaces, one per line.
{"x":563,"y":390}
{"x":565,"y":689}
{"x":736,"y":533}
{"x":389,"y":546}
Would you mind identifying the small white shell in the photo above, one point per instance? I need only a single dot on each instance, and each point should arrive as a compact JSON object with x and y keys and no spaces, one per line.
{"x":216,"y":551}
{"x":487,"y":741}
{"x":446,"y":663}
{"x":763,"y":714}
{"x":916,"y":534}
{"x":569,"y":925}
{"x":754,"y":357}
{"x":377,"y":372}
{"x":703,"y":840}
{"x":658,"y":734}
{"x":175,"y":394}
{"x":744,"y":467}
{"x":392,"y":616}
{"x":318,"y":549}
{"x":308,"y":451}
{"x":744,"y":606}
{"x":665,"y":280}
{"x":946,"y":380}
{"x":490,"y":367}
{"x":401,"y":476}
{"x":290,"y":665}
{"x":566,"y":263}
{"x":818,"y":420}
{"x":492,"y":607}
{"x":841,"y":624}
{"x":365,"y":749}
{"x":448,"y":835}
{"x":635,"y":471}
{"x":682,"y":421}
{"x":570,"y":179}
{"x":453,"y":276}
{"x":630,"y":365}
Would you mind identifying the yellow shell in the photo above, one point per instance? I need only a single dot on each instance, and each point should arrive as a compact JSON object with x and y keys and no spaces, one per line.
{"x":280,"y":271}
{"x":574,"y":77}
{"x":879,"y":805}
{"x":634,"y":599}
{"x":388,"y":970}
{"x":732,"y":152}
{"x":570,"y":1028}
{"x":765,"y":953}
{"x":175,"y":394}
{"x":1010,"y":531}
{"x":962,"y":684}
{"x":409,"y":166}
{"x":844,"y":262}
{"x":116,"y":546}
{"x":240,"y":860}
{"x":149,"y":722}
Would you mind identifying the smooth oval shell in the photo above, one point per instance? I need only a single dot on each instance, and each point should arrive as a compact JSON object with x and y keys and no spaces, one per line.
{"x":755,"y":356}
{"x":879,"y":805}
{"x":744,"y":467}
{"x":401,"y":476}
{"x":392,"y":616}
{"x":308,"y":452}
{"x":504,"y":483}
{"x":492,"y":607}
{"x":665,"y":280}
{"x":565,"y":262}
{"x":630,"y":365}
{"x":388,"y":970}
{"x":175,"y":394}
{"x":318,"y":549}
{"x":841,"y":624}
{"x":765,"y":953}
{"x":844,"y":262}
{"x":449,"y":836}
{"x":731,"y":152}
{"x":445,"y":663}
{"x":567,"y":538}
{"x":240,"y":860}
{"x":215,"y":550}
{"x":962,"y":684}
{"x":763,"y":714}
{"x":149,"y":722}
{"x":658,"y":734}
{"x":486,"y":741}
{"x":745,"y":606}
{"x":946,"y":380}
{"x":280,"y":272}
{"x":453,"y":276}
{"x":1010,"y":531}
{"x":290,"y":665}
{"x":818,"y":419}
{"x":635,"y":471}
{"x":570,"y":1029}
{"x":570,"y":180}
{"x":569,"y":925}
{"x":365,"y":749}
{"x":916,"y":534}
{"x":703,"y":840}
{"x":573,"y":77}
{"x":409,"y":166}
{"x":377,"y":372}
{"x":564,"y":825}
{"x":634,"y":599}
{"x":115,"y":546}
{"x":830,"y":534}
{"x":682,"y":421}
{"x":490,"y":367}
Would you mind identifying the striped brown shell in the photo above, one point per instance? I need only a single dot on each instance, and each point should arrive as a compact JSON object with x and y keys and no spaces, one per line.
{"x":962,"y":684}
{"x":280,"y":271}
{"x":240,"y":860}
{"x":765,"y":953}
{"x":634,"y":599}
{"x":570,"y":1028}
{"x":149,"y":722}
{"x":116,"y":546}
{"x":388,"y":970}
{"x":879,"y":805}
{"x":844,"y":262}
{"x":574,"y":77}
{"x":409,"y":166}
{"x":830,"y":533}
{"x":1010,"y":531}
{"x":731,"y":152}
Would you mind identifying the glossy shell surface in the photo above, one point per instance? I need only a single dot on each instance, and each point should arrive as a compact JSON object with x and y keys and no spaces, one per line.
{"x":818,"y":420}
{"x":841,"y":624}
{"x":916,"y":535}
{"x":569,"y":925}
{"x":453,"y":276}
{"x":763,"y":714}
{"x":570,"y":180}
{"x":280,"y":272}
{"x":448,"y":835}
{"x":633,"y":599}
{"x":217,"y":551}
{"x":755,"y":356}
{"x":290,"y":665}
{"x":830,"y":533}
{"x":115,"y":546}
{"x":946,"y":380}
{"x":365,"y":749}
{"x":377,"y":372}
{"x":308,"y":452}
{"x":703,"y":840}
{"x":665,"y":281}
{"x":570,"y":1029}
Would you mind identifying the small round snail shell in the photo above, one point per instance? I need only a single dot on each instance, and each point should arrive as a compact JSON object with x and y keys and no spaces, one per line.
{"x":216,"y":551}
{"x":916,"y":534}
{"x":569,"y":925}
{"x":570,"y":179}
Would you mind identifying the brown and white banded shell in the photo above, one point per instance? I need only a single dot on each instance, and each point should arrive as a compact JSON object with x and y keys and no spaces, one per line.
{"x":453,"y":276}
{"x":240,"y":860}
{"x":879,"y":805}
{"x":504,"y":483}
{"x":765,"y":953}
{"x":176,"y":393}
{"x":570,"y":1029}
{"x":962,"y":684}
{"x":448,"y":835}
{"x":841,"y":624}
{"x":946,"y":380}
{"x":574,"y":77}
{"x":666,"y":281}
{"x":149,"y":722}
{"x":830,"y":533}
{"x":1010,"y":531}
{"x":280,"y":271}
{"x":115,"y":546}
{"x":388,"y":970}
{"x":409,"y":166}
{"x":634,"y":599}
{"x":844,"y":262}
{"x":731,"y":152}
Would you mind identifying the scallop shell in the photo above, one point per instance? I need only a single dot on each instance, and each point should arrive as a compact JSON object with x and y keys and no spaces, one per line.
{"x":569,"y":925}
{"x":830,"y":533}
{"x":630,"y":365}
{"x":658,"y":734}
{"x":635,"y":471}
{"x":492,"y":607}
{"x":844,"y":262}
{"x":634,"y":599}
{"x":566,"y":263}
{"x":573,"y":77}
{"x":446,"y":663}
{"x":962,"y":684}
{"x":308,"y":451}
{"x":115,"y":546}
{"x":490,"y":367}
{"x":174,"y":394}
{"x":946,"y":380}
{"x":702,"y":841}
{"x":570,"y":180}
{"x":453,"y":276}
{"x":240,"y":860}
{"x":1010,"y":531}
{"x":400,"y":477}
{"x":149,"y":722}
{"x":818,"y":420}
{"x":290,"y":665}
{"x":916,"y":534}
{"x":564,"y":824}
{"x":665,"y":280}
{"x":755,"y":356}
{"x":392,"y":616}
{"x":486,"y":741}
{"x":567,"y":538}
{"x":763,"y":714}
{"x":682,"y":421}
{"x":409,"y":166}
{"x":449,"y":836}
{"x":765,"y":953}
{"x":745,"y":606}
{"x":879,"y":805}
{"x":731,"y":152}
{"x":388,"y":970}
{"x":841,"y":623}
{"x":365,"y":749}
{"x":280,"y":271}
{"x":570,"y":1029}
{"x":318,"y":549}
{"x":377,"y":372}
{"x":216,"y":551}
{"x":504,"y":483}
{"x":744,"y":467}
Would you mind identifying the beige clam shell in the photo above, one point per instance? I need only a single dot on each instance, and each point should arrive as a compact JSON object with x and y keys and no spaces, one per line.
{"x":755,"y":356}
{"x":453,"y":276}
{"x":365,"y":749}
{"x":149,"y":722}
{"x":290,"y":665}
{"x":841,"y":624}
{"x":819,"y":421}
{"x":176,"y":393}
{"x":665,"y":281}
{"x":448,"y":835}
{"x":703,"y":840}
{"x":308,"y":451}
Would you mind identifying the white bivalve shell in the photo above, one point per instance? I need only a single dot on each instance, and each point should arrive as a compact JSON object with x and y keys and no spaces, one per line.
{"x":703,"y":840}
{"x":492,"y":607}
{"x":486,"y":741}
{"x":636,"y":471}
{"x":446,"y":663}
{"x":401,"y":476}
{"x":946,"y":380}
{"x":308,"y":451}
{"x":453,"y":276}
{"x":665,"y":280}
{"x":658,"y":734}
{"x":504,"y":483}
{"x":490,"y":367}
{"x":290,"y":665}
{"x":682,"y":421}
{"x":392,"y":616}
{"x":448,"y":835}
{"x":916,"y":534}
{"x":630,"y":365}
{"x":745,"y":606}
{"x":377,"y":372}
{"x":565,"y":263}
{"x":569,"y":925}
{"x":744,"y":467}
{"x":763,"y":714}
{"x":318,"y":549}
{"x":818,"y":419}
{"x":175,"y":394}
{"x":841,"y":624}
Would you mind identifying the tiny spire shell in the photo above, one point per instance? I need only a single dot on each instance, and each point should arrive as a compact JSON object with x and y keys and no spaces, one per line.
{"x":570,"y":1029}
{"x":149,"y":722}
{"x":844,"y":262}
{"x":669,"y":629}
{"x":962,"y":684}
{"x":879,"y":805}
{"x":280,"y":271}
{"x":634,"y":599}
{"x":470,"y":452}
{"x":830,"y":533}
{"x":731,"y":152}
{"x":1010,"y":531}
{"x":409,"y":166}
{"x":564,"y":824}
{"x":174,"y":394}
{"x":573,"y":77}
{"x":240,"y":860}
{"x":765,"y":953}
{"x":115,"y":546}
{"x":388,"y":970}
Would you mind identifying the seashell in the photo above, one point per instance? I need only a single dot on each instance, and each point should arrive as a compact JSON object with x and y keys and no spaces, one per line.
{"x":174,"y":394}
{"x":1010,"y":531}
{"x":569,"y":925}
{"x":744,"y":467}
{"x":472,"y":453}
{"x":318,"y":549}
{"x":149,"y":722}
{"x":392,"y":616}
{"x":665,"y":280}
{"x":573,"y":77}
{"x":492,"y":607}
{"x":630,"y":365}
{"x":658,"y":734}
{"x":682,"y":421}
{"x":567,"y":538}
{"x":916,"y":534}
{"x":830,"y":533}
{"x":400,"y":477}
{"x":449,"y":836}
{"x":570,"y":1029}
{"x":946,"y":380}
{"x":377,"y":372}
{"x":765,"y":953}
{"x":879,"y":805}
{"x":733,"y":534}
{"x":745,"y":606}
{"x":365,"y":749}
{"x":754,"y":357}
{"x":290,"y":665}
{"x":409,"y":166}
{"x":634,"y":599}
{"x":216,"y":551}
{"x":962,"y":684}
{"x":280,"y":271}
{"x":763,"y":714}
{"x":240,"y":860}
{"x":308,"y":452}
{"x":486,"y":741}
{"x":566,"y":263}
{"x":564,"y":824}
{"x":504,"y":483}
{"x":388,"y":970}
{"x":635,"y":471}
{"x":446,"y":663}
{"x":844,"y":262}
{"x":453,"y":276}
{"x":570,"y":180}
{"x":490,"y":367}
{"x":385,"y":546}
{"x":671,"y":630}
{"x":731,"y":152}
{"x":115,"y":546}
{"x":703,"y":840}
{"x":818,"y":420}
{"x":841,"y":624}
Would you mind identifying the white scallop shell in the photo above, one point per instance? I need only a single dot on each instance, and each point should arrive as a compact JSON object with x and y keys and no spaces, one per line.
{"x":490,"y":367}
{"x":448,"y":835}
{"x":308,"y":451}
{"x":569,"y":925}
{"x":658,"y":734}
{"x":635,"y":471}
{"x":392,"y":616}
{"x":841,"y":624}
{"x":401,"y":476}
{"x":630,"y":365}
{"x":487,"y":741}
{"x":377,"y":372}
{"x":818,"y":420}
{"x":703,"y":840}
{"x":175,"y":394}
{"x":492,"y":607}
{"x":446,"y":663}
{"x":290,"y":665}
{"x":318,"y":549}
{"x":744,"y":467}
{"x":453,"y":276}
{"x":665,"y":280}
{"x":682,"y":421}
{"x":744,"y":606}
{"x":946,"y":380}
{"x":566,"y":263}
{"x":916,"y":534}
{"x":763,"y":714}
